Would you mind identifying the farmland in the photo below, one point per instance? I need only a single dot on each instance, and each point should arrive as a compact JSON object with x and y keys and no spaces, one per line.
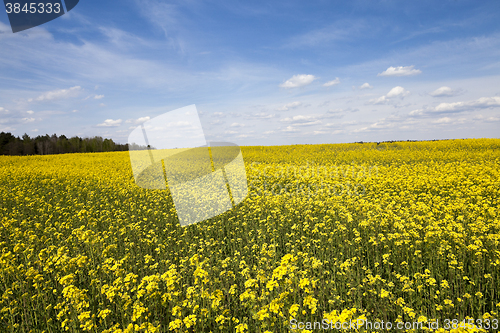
{"x":403,"y":231}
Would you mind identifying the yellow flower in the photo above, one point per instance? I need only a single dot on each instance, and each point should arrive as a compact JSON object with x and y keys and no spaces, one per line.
{"x":190,"y":321}
{"x":293,"y":310}
{"x":241,"y":328}
{"x":175,"y":324}
{"x":104,"y":313}
{"x":384,"y":293}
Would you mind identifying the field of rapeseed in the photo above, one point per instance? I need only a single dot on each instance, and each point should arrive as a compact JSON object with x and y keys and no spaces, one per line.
{"x":404,"y":232}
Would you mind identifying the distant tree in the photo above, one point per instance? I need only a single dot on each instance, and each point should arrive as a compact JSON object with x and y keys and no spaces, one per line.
{"x":45,"y":144}
{"x":5,"y":140}
{"x":29,"y":146}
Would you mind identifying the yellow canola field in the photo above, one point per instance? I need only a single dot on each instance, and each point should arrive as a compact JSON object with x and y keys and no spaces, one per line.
{"x":403,"y":232}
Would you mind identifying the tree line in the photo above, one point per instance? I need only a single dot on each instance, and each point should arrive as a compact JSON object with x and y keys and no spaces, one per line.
{"x":45,"y":144}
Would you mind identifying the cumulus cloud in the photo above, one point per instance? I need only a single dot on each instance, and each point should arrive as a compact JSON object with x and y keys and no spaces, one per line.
{"x":380,"y":100}
{"x":397,"y":91}
{"x":110,"y":123}
{"x":28,"y":120}
{"x":332,"y":83}
{"x":98,"y":96}
{"x":365,"y":85}
{"x":58,"y":94}
{"x":216,"y":122}
{"x":30,"y":112}
{"x":298,"y":81}
{"x":260,"y":115}
{"x":483,"y":118}
{"x":137,"y":121}
{"x":301,"y":120}
{"x":237,"y":125}
{"x":481,"y":103}
{"x":400,"y":71}
{"x":443,"y":120}
{"x":289,"y":106}
{"x":290,"y":129}
{"x":394,"y":92}
{"x":379,"y":125}
{"x":443,"y":91}
{"x":493,"y":119}
{"x":417,"y":112}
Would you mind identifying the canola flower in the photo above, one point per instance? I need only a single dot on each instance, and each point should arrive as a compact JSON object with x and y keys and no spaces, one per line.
{"x":83,"y":249}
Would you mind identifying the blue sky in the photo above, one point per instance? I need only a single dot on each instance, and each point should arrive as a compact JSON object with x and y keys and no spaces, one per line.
{"x":259,"y":72}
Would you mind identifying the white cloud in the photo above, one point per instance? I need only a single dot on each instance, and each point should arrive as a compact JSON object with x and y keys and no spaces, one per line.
{"x":260,"y":115}
{"x":443,"y":120}
{"x":394,"y":92}
{"x":237,"y":125}
{"x":216,"y":122}
{"x":379,"y":125}
{"x":110,"y":123}
{"x":58,"y":94}
{"x":301,"y":120}
{"x":400,"y":71}
{"x":417,"y":112}
{"x":290,"y":129}
{"x":343,"y":124}
{"x":288,"y":106}
{"x":332,"y":83}
{"x":98,"y":96}
{"x":142,"y":119}
{"x":443,"y":91}
{"x":397,"y":91}
{"x":138,"y":120}
{"x":30,"y":112}
{"x":365,"y":85}
{"x":218,"y":114}
{"x":28,"y":120}
{"x":380,"y":100}
{"x":483,"y":102}
{"x":298,"y":81}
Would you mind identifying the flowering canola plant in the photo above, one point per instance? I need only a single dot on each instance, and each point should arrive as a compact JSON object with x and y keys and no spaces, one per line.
{"x":82,"y":248}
